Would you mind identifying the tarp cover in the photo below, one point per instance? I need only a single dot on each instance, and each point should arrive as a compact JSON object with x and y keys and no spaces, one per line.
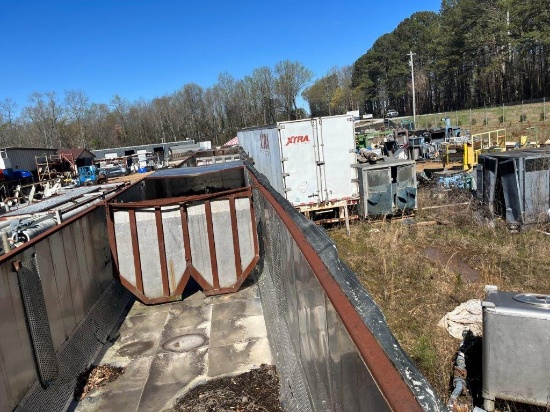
{"x":467,"y":315}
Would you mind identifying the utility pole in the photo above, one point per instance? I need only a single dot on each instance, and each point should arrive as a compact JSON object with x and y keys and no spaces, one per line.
{"x":411,"y":63}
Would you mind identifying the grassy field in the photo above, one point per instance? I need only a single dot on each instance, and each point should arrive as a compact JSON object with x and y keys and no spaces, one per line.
{"x":415,"y":291}
{"x":516,"y":119}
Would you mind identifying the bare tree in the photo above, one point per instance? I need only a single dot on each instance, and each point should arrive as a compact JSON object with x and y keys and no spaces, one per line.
{"x":292,"y":77}
{"x":7,"y":122}
{"x":77,"y":104}
{"x":46,"y":116}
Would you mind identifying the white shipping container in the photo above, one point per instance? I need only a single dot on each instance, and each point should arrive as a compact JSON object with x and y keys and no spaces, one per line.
{"x":308,"y":161}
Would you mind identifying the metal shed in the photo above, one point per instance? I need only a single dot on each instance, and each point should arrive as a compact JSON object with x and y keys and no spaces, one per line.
{"x":24,"y":158}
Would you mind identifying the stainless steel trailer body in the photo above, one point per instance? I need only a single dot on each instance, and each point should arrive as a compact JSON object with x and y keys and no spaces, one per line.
{"x":307,"y":161}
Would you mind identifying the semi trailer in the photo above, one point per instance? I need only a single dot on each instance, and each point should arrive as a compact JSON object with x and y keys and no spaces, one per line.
{"x":308,"y":162}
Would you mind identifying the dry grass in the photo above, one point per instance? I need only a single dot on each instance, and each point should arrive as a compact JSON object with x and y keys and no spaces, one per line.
{"x":415,"y":292}
{"x":515,"y":119}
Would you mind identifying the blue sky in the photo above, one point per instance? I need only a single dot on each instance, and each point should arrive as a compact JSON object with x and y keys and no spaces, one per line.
{"x":145,"y":49}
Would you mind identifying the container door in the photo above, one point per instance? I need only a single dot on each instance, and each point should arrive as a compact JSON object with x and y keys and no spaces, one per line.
{"x":379,"y":194}
{"x":336,"y":155}
{"x":405,"y":197}
{"x":302,"y":180}
{"x":479,"y":181}
{"x":536,"y":188}
{"x":489,"y":181}
{"x":512,"y":194}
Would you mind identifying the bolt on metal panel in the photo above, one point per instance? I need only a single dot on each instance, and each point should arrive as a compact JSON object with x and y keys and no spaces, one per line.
{"x":225,"y":249}
{"x":198,"y":235}
{"x":125,"y":253}
{"x":536,"y":188}
{"x":73,"y":270}
{"x":63,"y":283}
{"x":149,"y":251}
{"x":174,"y":244}
{"x":51,"y":294}
{"x":245,"y":231}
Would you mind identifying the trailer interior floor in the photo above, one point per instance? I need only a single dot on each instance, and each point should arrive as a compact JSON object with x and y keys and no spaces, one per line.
{"x":168,"y":349}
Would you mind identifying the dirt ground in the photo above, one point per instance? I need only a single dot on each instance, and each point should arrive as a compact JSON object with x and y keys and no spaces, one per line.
{"x":254,"y":391}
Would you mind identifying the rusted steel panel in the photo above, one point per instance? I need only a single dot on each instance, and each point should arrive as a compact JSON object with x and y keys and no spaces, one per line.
{"x":174,"y":245}
{"x":223,"y":243}
{"x":51,"y":294}
{"x":77,"y":294}
{"x":135,"y":250}
{"x":63,"y":283}
{"x":212,"y":245}
{"x":147,"y":237}
{"x":124,"y":246}
{"x":366,"y":385}
{"x":162,"y":253}
{"x":198,"y":238}
{"x":235,"y":233}
{"x":246,"y":232}
{"x":181,"y":199}
{"x":172,"y":242}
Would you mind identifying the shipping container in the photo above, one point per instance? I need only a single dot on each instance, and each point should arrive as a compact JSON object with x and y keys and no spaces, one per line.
{"x":309,"y":162}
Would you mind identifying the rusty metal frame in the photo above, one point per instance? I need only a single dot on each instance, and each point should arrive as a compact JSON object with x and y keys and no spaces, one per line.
{"x":162,"y":253}
{"x":190,"y":271}
{"x":392,"y":386}
{"x":182,"y":199}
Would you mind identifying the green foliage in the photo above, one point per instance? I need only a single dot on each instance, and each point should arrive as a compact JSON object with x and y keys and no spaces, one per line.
{"x":468,"y":55}
{"x":424,"y":354}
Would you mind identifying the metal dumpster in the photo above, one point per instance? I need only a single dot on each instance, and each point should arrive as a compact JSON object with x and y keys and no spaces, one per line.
{"x":386,"y":187}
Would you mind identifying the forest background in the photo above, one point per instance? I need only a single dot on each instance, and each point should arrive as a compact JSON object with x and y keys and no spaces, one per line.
{"x":472,"y":54}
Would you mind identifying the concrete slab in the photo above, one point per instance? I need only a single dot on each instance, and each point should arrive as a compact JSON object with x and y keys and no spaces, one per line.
{"x":168,"y":349}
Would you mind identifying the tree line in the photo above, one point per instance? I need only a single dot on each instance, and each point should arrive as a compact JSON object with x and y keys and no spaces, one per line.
{"x":192,"y":112}
{"x":473,"y":53}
